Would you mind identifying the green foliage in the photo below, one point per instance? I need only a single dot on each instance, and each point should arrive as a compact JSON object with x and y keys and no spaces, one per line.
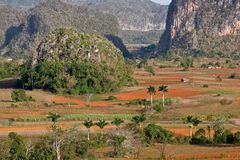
{"x":192,"y":120}
{"x":117,"y":142}
{"x":88,"y":123}
{"x":97,"y":68}
{"x":17,"y":149}
{"x":199,"y":137}
{"x":78,"y":117}
{"x":149,"y":69}
{"x":158,"y":108}
{"x":138,"y":37}
{"x":151,"y":90}
{"x":9,"y":69}
{"x":117,"y":122}
{"x":112,"y":98}
{"x":144,"y":102}
{"x":163,"y":88}
{"x":42,"y":151}
{"x":101,"y":124}
{"x":157,"y":133}
{"x":20,"y":96}
{"x":205,"y":86}
{"x":187,"y":63}
{"x":54,"y":117}
{"x":139,"y":119}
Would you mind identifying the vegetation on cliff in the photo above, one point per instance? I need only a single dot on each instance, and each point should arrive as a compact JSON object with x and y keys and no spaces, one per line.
{"x":77,"y":63}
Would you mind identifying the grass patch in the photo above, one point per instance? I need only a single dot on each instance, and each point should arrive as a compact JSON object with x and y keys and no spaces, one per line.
{"x":77,"y":117}
{"x":144,"y":102}
{"x":222,"y":92}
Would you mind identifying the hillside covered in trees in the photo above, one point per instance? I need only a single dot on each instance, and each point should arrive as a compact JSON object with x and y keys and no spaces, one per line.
{"x":72,"y":62}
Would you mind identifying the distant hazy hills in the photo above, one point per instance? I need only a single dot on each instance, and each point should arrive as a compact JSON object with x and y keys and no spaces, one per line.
{"x":23,"y":35}
{"x":136,"y":15}
{"x":140,"y":21}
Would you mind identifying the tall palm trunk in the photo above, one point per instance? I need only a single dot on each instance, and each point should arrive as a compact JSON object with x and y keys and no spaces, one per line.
{"x":58,"y":152}
{"x":88,"y":134}
{"x":163,"y":99}
{"x":151,"y":100}
{"x":190,"y":130}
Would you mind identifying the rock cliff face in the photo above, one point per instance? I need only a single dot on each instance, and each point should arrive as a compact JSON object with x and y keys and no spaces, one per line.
{"x":10,"y":19}
{"x":137,"y":15}
{"x":202,"y":25}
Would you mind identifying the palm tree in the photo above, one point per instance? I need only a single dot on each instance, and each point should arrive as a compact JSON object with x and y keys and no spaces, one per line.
{"x":139,"y":119}
{"x":101,"y":124}
{"x":196,"y":122}
{"x":163,"y":89}
{"x":193,"y":123}
{"x":117,"y":122}
{"x":88,"y":124}
{"x":151,"y":92}
{"x":188,"y":120}
{"x":54,"y":117}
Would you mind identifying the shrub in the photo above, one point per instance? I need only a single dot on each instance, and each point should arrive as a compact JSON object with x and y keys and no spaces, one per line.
{"x":205,"y":86}
{"x":144,"y":102}
{"x":111,"y":98}
{"x":19,"y":96}
{"x":199,"y":137}
{"x":225,"y":102}
{"x":187,"y":63}
{"x":199,"y":140}
{"x":233,"y":76}
{"x":150,"y":69}
{"x":157,"y":133}
{"x":237,"y":138}
{"x":116,"y":142}
{"x":182,"y":140}
{"x":14,"y":106}
{"x":158,"y":108}
{"x":17,"y":149}
{"x":139,"y":102}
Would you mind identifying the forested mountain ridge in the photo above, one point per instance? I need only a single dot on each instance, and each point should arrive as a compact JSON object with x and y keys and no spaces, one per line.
{"x":53,"y":14}
{"x":140,"y":21}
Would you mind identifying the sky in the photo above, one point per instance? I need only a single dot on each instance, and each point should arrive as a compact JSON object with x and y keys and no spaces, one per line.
{"x":162,"y":1}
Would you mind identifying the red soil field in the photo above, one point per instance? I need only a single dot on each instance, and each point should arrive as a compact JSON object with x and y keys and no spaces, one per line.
{"x":142,"y":94}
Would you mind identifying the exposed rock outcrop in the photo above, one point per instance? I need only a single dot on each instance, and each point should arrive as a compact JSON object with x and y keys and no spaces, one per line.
{"x":202,"y":26}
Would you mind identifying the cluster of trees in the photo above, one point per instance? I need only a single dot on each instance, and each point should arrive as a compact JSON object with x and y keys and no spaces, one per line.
{"x":215,"y":133}
{"x":9,"y":69}
{"x":73,"y":144}
{"x":77,"y":77}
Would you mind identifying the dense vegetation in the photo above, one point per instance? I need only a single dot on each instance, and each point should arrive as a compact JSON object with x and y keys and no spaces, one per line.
{"x":77,"y":63}
{"x":9,"y":69}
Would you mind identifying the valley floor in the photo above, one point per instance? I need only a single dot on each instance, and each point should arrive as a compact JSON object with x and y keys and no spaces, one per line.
{"x":189,"y":98}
